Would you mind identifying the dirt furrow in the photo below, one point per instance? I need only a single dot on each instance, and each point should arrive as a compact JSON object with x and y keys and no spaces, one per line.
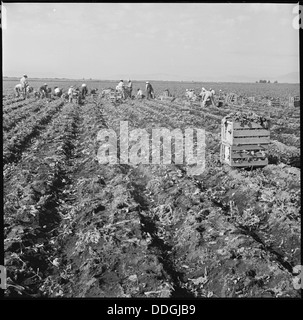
{"x":31,"y":210}
{"x":14,"y":148}
{"x":101,"y":236}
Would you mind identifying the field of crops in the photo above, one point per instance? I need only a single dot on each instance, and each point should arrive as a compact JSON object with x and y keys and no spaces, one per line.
{"x":76,"y":228}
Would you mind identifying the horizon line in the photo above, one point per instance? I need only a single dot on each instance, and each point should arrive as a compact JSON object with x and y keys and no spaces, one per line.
{"x":114,"y":80}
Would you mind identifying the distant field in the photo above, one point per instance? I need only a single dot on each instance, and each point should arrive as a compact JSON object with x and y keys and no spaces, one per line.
{"x":176,"y":88}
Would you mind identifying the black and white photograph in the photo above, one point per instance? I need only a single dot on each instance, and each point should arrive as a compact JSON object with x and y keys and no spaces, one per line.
{"x":151,"y":152}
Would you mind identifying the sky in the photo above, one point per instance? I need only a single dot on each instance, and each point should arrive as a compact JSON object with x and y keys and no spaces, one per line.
{"x":165,"y":41}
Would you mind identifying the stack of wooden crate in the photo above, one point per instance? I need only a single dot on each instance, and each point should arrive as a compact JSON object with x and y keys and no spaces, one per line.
{"x":244,"y":145}
{"x":294,"y":102}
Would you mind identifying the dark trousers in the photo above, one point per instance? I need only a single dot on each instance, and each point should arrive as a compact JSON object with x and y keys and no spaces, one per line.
{"x":149,"y":95}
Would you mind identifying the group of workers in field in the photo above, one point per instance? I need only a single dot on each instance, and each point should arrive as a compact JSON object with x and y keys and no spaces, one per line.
{"x":126,"y":90}
{"x":206,"y":96}
{"x":79,"y":93}
{"x":44,"y":91}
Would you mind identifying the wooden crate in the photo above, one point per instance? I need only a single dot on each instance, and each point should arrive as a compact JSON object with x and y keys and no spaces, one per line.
{"x":235,"y":134}
{"x":244,"y":146}
{"x":244,"y":155}
{"x":294,"y":102}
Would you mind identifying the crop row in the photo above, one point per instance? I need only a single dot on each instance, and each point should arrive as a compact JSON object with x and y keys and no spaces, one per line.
{"x":285,"y":132}
{"x":101,"y":230}
{"x":10,"y":101}
{"x":32,"y":197}
{"x":208,"y":225}
{"x":189,"y":224}
{"x":11,"y":119}
{"x":24,"y":132}
{"x":149,"y":114}
{"x":274,"y":113}
{"x":17,"y":105}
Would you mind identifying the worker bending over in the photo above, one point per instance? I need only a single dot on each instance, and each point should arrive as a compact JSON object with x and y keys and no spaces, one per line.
{"x":83,"y":91}
{"x":139,"y":94}
{"x":57,"y":92}
{"x":18,"y":90}
{"x":43,"y":90}
{"x":207,"y":96}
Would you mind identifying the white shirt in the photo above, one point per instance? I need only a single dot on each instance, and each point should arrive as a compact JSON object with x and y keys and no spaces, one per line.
{"x":24,"y":82}
{"x":57,"y":90}
{"x":208,"y":94}
{"x":119,"y":86}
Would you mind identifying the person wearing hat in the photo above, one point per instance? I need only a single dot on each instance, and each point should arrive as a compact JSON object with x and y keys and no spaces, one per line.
{"x":130,"y":88}
{"x":120,"y":85}
{"x":149,"y":91}
{"x":83,"y":91}
{"x":70,"y":93}
{"x":24,"y":84}
{"x":202,"y":93}
{"x":120,"y":88}
{"x":43,"y":90}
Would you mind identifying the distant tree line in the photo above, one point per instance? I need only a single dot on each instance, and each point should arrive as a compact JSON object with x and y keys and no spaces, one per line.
{"x":265,"y":81}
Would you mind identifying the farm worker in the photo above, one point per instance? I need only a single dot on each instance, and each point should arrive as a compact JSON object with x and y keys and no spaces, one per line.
{"x":149,"y":90}
{"x":202,"y":94}
{"x":24,"y":83}
{"x":191,"y":94}
{"x":187,"y":93}
{"x":57,"y":92}
{"x":70,"y":93}
{"x":83,"y":91}
{"x":139,"y":94}
{"x":208,"y":95}
{"x":48,"y":92}
{"x":212,"y":91}
{"x":130,"y":88}
{"x":18,"y":89}
{"x":43,"y":90}
{"x":120,"y":88}
{"x":120,"y":85}
{"x":29,"y":89}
